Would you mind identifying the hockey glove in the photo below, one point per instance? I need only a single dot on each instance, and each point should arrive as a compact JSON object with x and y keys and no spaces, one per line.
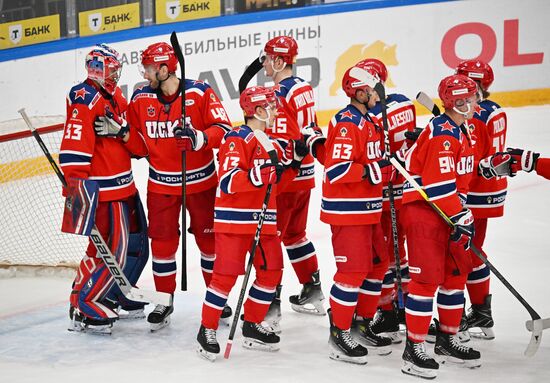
{"x":294,"y":153}
{"x":313,"y":136}
{"x":111,"y":125}
{"x":265,"y":174}
{"x":412,"y":136}
{"x":190,"y":139}
{"x":373,"y":171}
{"x":525,"y":160}
{"x":499,"y":164}
{"x":463,"y":231}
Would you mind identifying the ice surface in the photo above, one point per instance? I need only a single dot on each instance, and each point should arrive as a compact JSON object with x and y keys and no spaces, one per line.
{"x":35,"y":345}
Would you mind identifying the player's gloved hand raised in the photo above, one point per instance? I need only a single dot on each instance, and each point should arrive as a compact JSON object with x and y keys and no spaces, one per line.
{"x":313,"y":136}
{"x":525,"y":160}
{"x":463,"y":231}
{"x":111,"y":125}
{"x":265,"y":174}
{"x":499,"y":164}
{"x":294,"y":153}
{"x":188,"y":138}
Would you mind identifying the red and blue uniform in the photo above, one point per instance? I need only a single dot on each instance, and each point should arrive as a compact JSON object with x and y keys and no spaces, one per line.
{"x":296,"y":110}
{"x":156,"y":116}
{"x":486,"y":197}
{"x":105,"y":160}
{"x":352,"y":206}
{"x":441,"y":161}
{"x":236,"y":214}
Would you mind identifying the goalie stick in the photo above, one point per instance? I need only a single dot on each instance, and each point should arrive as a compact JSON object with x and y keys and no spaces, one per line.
{"x":103,"y":250}
{"x":268,"y":147}
{"x":181,"y":60}
{"x":379,"y":88}
{"x":536,"y":323}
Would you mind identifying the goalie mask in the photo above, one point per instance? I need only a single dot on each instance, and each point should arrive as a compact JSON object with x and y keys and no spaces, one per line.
{"x":104,"y":67}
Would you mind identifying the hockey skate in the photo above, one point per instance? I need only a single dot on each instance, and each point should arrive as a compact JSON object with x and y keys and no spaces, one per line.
{"x":343,"y":347}
{"x":463,"y":335}
{"x":160,"y":317}
{"x":450,"y":350}
{"x":417,"y":362}
{"x":81,"y":323}
{"x":480,"y":320}
{"x":209,"y":347}
{"x":273,"y":317}
{"x":386,"y":322}
{"x":379,"y":345}
{"x":310,"y":300}
{"x":258,"y":337}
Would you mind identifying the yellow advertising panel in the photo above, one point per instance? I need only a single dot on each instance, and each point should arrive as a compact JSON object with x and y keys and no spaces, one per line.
{"x":30,"y":31}
{"x":110,"y":19}
{"x":170,"y":11}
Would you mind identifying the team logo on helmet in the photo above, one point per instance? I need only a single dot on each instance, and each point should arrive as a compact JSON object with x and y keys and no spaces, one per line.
{"x":151,"y":111}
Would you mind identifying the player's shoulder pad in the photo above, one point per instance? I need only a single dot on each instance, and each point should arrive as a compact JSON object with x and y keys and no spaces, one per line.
{"x":349,"y":114}
{"x":243,"y":132}
{"x":487,"y":107}
{"x":397,"y":97}
{"x":196,"y":85}
{"x":82,"y":93}
{"x":442,"y":125}
{"x":144,"y":91}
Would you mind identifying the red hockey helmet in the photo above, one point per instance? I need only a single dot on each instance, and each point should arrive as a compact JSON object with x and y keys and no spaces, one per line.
{"x":456,"y":87}
{"x":157,"y":54}
{"x":478,"y":71}
{"x":377,"y":65}
{"x":283,"y":46}
{"x":104,"y":67}
{"x":359,"y":77}
{"x":257,"y":96}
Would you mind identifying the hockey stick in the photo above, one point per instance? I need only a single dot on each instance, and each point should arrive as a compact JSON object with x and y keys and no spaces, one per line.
{"x":268,"y":146}
{"x":425,"y":100}
{"x":536,"y":323}
{"x":379,"y":88}
{"x":181,"y":60}
{"x":251,"y":71}
{"x":103,"y":250}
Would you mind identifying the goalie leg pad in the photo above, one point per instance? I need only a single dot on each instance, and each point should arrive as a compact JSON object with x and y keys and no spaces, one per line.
{"x":80,"y":206}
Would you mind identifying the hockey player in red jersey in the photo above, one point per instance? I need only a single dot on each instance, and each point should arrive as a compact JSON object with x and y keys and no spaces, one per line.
{"x":296,"y":111}
{"x":352,"y":206}
{"x":401,"y":115}
{"x":97,"y":145}
{"x":245,"y":172}
{"x":441,"y":161}
{"x":156,"y":111}
{"x":487,"y":192}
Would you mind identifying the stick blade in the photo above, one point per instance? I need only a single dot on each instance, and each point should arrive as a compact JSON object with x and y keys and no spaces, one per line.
{"x":536,"y":337}
{"x":426,"y":101}
{"x":379,"y":88}
{"x":545,"y":324}
{"x":149,"y":296}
